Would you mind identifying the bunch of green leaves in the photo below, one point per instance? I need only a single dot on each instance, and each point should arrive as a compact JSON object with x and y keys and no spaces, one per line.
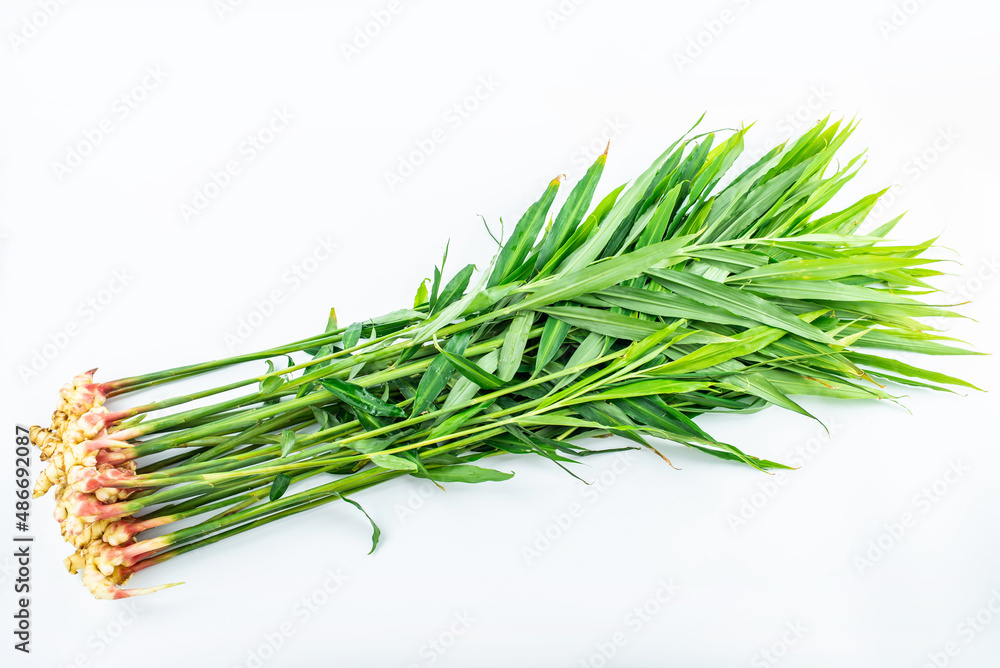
{"x":691,"y":290}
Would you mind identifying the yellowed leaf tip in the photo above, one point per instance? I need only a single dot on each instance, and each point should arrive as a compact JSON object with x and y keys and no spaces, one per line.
{"x":556,"y":182}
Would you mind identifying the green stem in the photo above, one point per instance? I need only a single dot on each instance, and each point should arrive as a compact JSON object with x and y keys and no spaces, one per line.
{"x":132,"y":383}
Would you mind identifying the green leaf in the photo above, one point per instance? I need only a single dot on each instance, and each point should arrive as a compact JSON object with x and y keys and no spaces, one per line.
{"x":538,"y":444}
{"x":790,"y":383}
{"x":738,"y":302}
{"x":368,"y":446}
{"x":848,"y":219}
{"x":521,"y":240}
{"x":453,"y":423}
{"x":514,"y":342}
{"x":656,"y":228}
{"x":571,"y":213}
{"x":907,"y":370}
{"x":455,"y":288}
{"x":885,"y":228}
{"x":643,"y":388}
{"x":324,"y":418}
{"x":368,"y":422}
{"x":827,"y":268}
{"x":669,"y":305}
{"x":553,"y":335}
{"x":393,"y":462}
{"x":583,"y":232}
{"x":414,"y":456}
{"x":287,"y":441}
{"x":271,"y":384}
{"x":731,"y":457}
{"x":446,"y":316}
{"x":767,"y":197}
{"x":436,"y":283}
{"x":422,"y":294}
{"x":482,"y":300}
{"x":604,"y":322}
{"x":464,"y":389}
{"x":128,"y":424}
{"x":757,"y":385}
{"x":653,"y":411}
{"x":914,"y":342}
{"x":825,"y":291}
{"x":352,"y":335}
{"x":732,"y":260}
{"x":376,"y":532}
{"x":558,"y":420}
{"x":278,"y":487}
{"x":473,"y":371}
{"x":466,"y":473}
{"x":438,"y":373}
{"x":589,"y":350}
{"x":616,"y":217}
{"x":714,"y":354}
{"x":897,"y":314}
{"x":359,"y":398}
{"x":406,"y":388}
{"x":642,"y":351}
{"x":323,"y":351}
{"x":606,"y":273}
{"x":613,"y":419}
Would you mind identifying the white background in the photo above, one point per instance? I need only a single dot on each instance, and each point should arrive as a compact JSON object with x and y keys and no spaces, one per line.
{"x":565,"y":77}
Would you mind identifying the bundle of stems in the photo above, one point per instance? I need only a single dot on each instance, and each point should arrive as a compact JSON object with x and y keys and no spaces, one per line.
{"x":690,"y":291}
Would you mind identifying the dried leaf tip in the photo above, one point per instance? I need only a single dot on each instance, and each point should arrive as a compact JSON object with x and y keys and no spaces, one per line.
{"x":556,"y":182}
{"x":604,"y":156}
